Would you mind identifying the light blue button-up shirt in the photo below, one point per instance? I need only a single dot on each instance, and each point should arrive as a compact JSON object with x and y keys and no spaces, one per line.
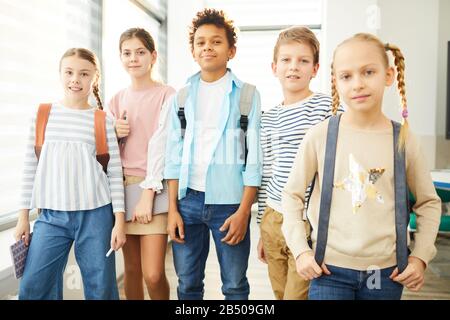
{"x":226,"y":174}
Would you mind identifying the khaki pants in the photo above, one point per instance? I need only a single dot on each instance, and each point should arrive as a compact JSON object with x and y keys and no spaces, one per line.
{"x":286,"y":283}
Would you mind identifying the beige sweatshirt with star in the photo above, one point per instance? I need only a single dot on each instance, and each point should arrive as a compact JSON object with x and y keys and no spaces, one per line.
{"x":361,"y":230}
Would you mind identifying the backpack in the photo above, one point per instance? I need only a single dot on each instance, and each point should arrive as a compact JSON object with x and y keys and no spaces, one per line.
{"x":100,"y":133}
{"x":245,"y":106}
{"x":401,"y":195}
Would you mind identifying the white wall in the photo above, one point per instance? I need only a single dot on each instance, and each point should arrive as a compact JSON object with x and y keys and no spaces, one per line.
{"x":180,"y":64}
{"x":115,"y":77}
{"x":418,"y":27}
{"x":341,"y":19}
{"x":442,"y":145}
{"x":443,"y":38}
{"x":413,"y":26}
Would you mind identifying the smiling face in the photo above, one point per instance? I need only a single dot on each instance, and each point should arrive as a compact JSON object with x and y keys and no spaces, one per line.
{"x":361,"y":75}
{"x":294,"y":66}
{"x":78,"y":77}
{"x":136,"y":59}
{"x":211,"y":49}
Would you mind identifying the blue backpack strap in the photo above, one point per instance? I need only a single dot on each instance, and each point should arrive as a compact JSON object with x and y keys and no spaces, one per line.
{"x":401,"y":195}
{"x":181,"y":101}
{"x":401,"y":202}
{"x":327,"y":188}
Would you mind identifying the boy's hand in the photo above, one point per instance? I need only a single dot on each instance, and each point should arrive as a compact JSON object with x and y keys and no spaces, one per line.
{"x":118,"y":236}
{"x":413,"y":276}
{"x":260,"y":249}
{"x":122,"y":128}
{"x":308,"y":268}
{"x":236,"y":224}
{"x":23,"y":227}
{"x":144,"y":208}
{"x":175,"y":226}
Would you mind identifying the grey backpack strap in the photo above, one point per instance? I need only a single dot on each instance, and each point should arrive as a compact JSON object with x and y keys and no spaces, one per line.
{"x":401,"y":206}
{"x":246,"y":98}
{"x":181,"y":101}
{"x":327,"y":188}
{"x":245,"y":106}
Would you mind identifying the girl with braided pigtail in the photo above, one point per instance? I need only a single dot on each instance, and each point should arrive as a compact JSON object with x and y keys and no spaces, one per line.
{"x":364,"y":164}
{"x":80,"y":196}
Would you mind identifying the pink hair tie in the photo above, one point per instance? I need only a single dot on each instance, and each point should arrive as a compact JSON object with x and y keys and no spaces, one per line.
{"x":405,"y":113}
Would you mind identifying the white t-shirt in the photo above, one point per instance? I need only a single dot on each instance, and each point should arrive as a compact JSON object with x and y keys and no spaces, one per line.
{"x":209,"y":103}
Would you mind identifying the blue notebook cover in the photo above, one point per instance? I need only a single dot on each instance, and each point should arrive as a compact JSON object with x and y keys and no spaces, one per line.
{"x":19,"y":253}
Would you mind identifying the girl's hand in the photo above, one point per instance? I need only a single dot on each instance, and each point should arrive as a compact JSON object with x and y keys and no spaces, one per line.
{"x":144,"y":207}
{"x":260,"y":249}
{"x":122,"y":128}
{"x":308,"y":268}
{"x":23,"y":227}
{"x":118,"y":236}
{"x":413,"y":276}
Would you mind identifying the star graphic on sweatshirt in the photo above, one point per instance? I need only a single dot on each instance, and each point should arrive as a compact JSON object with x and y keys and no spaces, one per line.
{"x":361,"y":183}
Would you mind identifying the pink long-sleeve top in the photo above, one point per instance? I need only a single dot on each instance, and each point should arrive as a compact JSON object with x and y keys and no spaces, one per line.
{"x":143,"y":109}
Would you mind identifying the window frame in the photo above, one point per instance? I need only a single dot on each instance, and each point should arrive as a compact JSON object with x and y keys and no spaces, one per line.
{"x":9,"y":219}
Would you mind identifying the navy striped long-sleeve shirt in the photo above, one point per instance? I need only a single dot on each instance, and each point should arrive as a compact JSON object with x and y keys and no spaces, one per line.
{"x":282,"y":131}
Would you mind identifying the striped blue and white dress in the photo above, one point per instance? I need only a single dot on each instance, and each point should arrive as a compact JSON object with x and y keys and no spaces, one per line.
{"x":282,"y":130}
{"x":68,"y":176}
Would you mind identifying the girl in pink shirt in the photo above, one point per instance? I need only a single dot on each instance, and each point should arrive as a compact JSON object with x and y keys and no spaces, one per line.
{"x":139,"y":110}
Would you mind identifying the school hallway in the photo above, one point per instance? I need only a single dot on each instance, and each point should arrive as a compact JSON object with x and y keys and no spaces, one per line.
{"x":437,"y":275}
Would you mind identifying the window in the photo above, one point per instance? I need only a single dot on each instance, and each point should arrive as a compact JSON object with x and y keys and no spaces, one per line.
{"x":33,"y":36}
{"x":258,"y":33}
{"x":138,"y":16}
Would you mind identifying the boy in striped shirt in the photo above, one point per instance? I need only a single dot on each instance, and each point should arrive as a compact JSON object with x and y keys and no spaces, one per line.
{"x":295,"y":63}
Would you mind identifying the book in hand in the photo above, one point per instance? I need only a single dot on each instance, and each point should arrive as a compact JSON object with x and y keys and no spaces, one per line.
{"x":132,"y":195}
{"x":19,"y":253}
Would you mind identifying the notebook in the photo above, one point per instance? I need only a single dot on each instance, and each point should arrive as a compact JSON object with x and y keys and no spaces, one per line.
{"x":19,"y":253}
{"x":133,"y":194}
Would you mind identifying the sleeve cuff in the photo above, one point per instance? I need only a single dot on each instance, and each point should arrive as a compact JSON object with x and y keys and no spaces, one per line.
{"x":252,"y":180}
{"x":295,"y":236}
{"x":152,"y":184}
{"x":118,"y":210}
{"x":424,"y":254}
{"x":172,"y":173}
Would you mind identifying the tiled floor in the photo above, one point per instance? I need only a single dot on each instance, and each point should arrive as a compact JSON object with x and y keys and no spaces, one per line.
{"x":437,"y":276}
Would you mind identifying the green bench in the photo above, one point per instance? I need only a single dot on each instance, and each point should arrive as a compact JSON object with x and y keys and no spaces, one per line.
{"x":445,"y":220}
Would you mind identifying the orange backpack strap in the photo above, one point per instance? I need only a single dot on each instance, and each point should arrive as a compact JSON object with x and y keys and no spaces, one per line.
{"x":41,"y":124}
{"x":101,"y":143}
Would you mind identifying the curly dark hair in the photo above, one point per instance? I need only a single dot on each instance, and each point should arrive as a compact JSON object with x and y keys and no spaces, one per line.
{"x":217,"y":18}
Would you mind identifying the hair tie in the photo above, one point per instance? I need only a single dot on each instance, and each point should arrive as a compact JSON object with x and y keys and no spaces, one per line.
{"x":386,"y":46}
{"x":405,"y":113}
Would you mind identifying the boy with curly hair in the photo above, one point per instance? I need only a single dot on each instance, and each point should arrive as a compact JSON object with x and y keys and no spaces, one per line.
{"x":213,"y":175}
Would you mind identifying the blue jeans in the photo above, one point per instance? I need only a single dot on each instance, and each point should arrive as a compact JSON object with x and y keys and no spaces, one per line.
{"x":190,"y":258}
{"x":53,"y":235}
{"x":348,"y":284}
